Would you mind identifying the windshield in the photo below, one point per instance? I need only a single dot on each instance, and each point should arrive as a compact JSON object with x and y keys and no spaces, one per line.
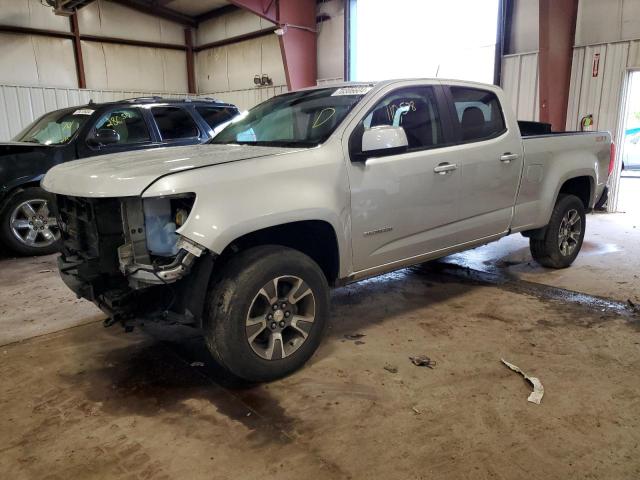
{"x":305,"y":118}
{"x":54,"y":128}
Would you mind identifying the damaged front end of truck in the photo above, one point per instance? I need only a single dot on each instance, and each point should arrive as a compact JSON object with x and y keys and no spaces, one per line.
{"x":124,"y":255}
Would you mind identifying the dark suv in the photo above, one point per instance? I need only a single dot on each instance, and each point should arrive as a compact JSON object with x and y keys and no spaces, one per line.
{"x":26,"y":225}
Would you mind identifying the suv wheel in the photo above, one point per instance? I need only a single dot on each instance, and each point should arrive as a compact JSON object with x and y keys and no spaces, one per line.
{"x":267,"y":313}
{"x":564,"y":235}
{"x":26,"y":224}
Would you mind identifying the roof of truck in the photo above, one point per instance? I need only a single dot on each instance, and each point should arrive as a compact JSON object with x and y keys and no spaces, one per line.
{"x":382,"y":83}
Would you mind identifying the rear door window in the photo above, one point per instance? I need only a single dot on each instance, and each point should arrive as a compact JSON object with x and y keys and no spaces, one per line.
{"x":478,"y":114}
{"x":128,"y":123}
{"x":214,"y":116}
{"x":175,"y":123}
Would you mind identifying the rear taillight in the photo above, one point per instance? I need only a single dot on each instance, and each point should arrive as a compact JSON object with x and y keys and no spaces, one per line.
{"x":612,"y":157}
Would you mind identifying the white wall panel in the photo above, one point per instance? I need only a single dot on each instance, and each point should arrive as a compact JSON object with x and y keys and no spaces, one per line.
{"x":232,"y":67}
{"x":613,"y":75}
{"x":598,"y":21}
{"x":591,"y":87}
{"x":525,"y":27}
{"x":33,"y":60}
{"x":112,"y":20}
{"x":573,"y":107}
{"x":601,"y":95}
{"x":634,"y":55}
{"x":272,"y":63}
{"x":211,"y":70}
{"x":244,"y":60}
{"x":230,"y":25}
{"x":331,"y":40}
{"x":32,"y":14}
{"x":630,"y":19}
{"x":607,"y":21}
{"x":520,"y":83}
{"x":114,"y":67}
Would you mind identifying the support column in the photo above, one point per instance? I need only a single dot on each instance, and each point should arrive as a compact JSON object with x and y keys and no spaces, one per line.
{"x":297,"y":19}
{"x":191,"y":74}
{"x":557,"y":36}
{"x":77,"y":50}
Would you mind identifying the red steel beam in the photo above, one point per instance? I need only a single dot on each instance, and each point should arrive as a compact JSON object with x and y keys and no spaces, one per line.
{"x":297,"y":18}
{"x":191,"y":74}
{"x":557,"y":36}
{"x":77,"y":51}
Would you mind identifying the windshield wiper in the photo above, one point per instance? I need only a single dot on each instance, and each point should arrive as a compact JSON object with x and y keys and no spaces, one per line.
{"x":31,"y":140}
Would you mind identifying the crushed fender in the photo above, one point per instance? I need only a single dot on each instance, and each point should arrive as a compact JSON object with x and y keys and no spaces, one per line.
{"x":538,"y":389}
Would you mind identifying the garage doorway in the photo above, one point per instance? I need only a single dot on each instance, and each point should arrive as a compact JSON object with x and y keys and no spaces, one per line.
{"x":421,"y":39}
{"x":629,"y":185}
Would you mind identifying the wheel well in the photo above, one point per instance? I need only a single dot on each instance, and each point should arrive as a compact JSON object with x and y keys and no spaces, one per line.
{"x":580,"y":187}
{"x":15,"y":190}
{"x":315,"y":238}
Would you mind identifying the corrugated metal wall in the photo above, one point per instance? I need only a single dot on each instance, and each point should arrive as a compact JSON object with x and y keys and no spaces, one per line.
{"x":520,"y":83}
{"x":598,"y":84}
{"x":20,"y":105}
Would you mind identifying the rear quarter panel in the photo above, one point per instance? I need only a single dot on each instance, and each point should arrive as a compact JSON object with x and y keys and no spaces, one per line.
{"x":551,"y":160}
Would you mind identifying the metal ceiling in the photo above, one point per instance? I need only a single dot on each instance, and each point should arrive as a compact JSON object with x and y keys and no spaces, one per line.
{"x":186,"y":12}
{"x":193,"y":8}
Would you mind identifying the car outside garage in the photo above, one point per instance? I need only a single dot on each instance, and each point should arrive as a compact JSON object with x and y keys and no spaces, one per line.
{"x":279,"y":245}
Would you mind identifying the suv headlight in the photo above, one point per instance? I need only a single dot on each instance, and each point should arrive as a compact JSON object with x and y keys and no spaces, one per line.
{"x":162,"y":217}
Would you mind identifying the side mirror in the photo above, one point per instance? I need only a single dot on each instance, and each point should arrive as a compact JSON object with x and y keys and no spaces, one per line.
{"x":384,"y":140}
{"x":104,"y":136}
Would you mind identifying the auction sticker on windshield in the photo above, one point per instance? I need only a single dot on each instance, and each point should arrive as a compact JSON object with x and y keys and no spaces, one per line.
{"x":360,"y":90}
{"x":83,"y":111}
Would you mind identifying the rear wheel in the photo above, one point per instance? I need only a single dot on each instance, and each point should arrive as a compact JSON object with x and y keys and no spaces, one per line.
{"x":267,"y":313}
{"x":563,"y":236}
{"x":27,"y":225}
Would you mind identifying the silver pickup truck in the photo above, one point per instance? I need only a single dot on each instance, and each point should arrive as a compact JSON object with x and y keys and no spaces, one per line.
{"x":243,"y":236}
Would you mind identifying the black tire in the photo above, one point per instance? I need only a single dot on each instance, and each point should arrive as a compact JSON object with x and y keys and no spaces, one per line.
{"x":547,"y":251}
{"x":9,"y":238}
{"x":236,"y":291}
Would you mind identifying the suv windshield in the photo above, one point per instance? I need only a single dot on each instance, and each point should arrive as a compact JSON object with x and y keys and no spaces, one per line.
{"x":305,"y":118}
{"x":54,"y":128}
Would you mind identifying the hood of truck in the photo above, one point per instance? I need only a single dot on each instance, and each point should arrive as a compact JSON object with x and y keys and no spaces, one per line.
{"x":130,"y":173}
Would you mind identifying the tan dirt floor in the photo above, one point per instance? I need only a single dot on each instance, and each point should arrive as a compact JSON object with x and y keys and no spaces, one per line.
{"x":93,"y":403}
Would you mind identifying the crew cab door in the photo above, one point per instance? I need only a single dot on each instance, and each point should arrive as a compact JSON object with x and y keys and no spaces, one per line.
{"x":131,"y":125}
{"x":490,"y":157}
{"x":404,"y":203}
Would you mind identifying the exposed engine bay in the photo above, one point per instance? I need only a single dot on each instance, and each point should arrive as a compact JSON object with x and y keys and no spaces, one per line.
{"x":124,"y":255}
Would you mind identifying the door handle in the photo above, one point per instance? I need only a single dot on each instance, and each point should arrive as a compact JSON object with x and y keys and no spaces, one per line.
{"x":444,"y":168}
{"x":509,"y":157}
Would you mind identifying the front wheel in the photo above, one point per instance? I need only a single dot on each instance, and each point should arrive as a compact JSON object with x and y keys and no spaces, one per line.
{"x":267,"y":313}
{"x":27,"y":225}
{"x":564,"y":234}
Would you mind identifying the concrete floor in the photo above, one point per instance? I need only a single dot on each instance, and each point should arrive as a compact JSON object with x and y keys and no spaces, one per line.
{"x":88,"y":402}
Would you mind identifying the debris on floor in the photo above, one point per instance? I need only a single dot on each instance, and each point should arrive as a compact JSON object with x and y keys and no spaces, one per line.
{"x":197,"y":364}
{"x":391,"y":368}
{"x":422,"y":361}
{"x":538,"y":389}
{"x":416,"y":410}
{"x":354,"y":336}
{"x":635,"y":308}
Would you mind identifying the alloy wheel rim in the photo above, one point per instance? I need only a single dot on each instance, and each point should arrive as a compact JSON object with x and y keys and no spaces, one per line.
{"x":33,"y":225}
{"x":280,"y":317}
{"x":569,"y":233}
